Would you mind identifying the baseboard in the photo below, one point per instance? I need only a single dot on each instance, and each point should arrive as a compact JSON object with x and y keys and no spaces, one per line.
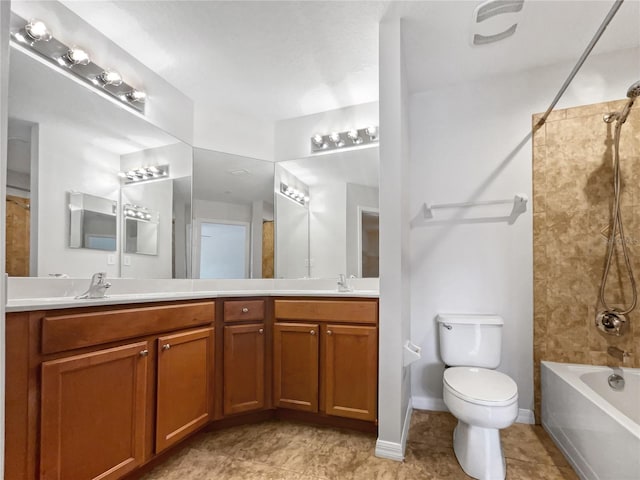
{"x":526,"y":416}
{"x":405,"y":428}
{"x":389,"y":450}
{"x":437,"y":405}
{"x":429,"y":403}
{"x":392,"y":450}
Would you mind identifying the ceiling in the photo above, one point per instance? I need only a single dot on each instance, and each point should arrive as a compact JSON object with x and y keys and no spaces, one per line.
{"x":270,"y":60}
{"x":273,"y":60}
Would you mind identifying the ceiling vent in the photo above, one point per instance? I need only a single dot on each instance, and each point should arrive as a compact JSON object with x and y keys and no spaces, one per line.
{"x":495,"y":20}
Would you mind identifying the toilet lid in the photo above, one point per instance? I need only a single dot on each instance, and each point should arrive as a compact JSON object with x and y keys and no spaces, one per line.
{"x":480,"y":385}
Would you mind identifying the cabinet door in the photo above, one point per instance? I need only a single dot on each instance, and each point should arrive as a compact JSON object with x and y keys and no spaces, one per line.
{"x":351,"y":371}
{"x":185,"y":385}
{"x":93,"y":414}
{"x":243,"y":368}
{"x":295,"y":364}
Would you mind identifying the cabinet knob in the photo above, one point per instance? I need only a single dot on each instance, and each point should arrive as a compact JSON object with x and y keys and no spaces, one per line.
{"x":261,"y":331}
{"x":312,"y":332}
{"x":245,"y":309}
{"x":329,"y":332}
{"x":144,"y":353}
{"x":166,"y":347}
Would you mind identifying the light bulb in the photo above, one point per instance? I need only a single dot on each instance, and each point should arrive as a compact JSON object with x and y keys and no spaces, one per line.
{"x":353,"y":136}
{"x":372,"y":131}
{"x":334,"y":137}
{"x":317,"y":140}
{"x":77,"y":56}
{"x":38,"y":31}
{"x":306,"y":198}
{"x":110,"y":77}
{"x":136,"y":96}
{"x":122,"y":175}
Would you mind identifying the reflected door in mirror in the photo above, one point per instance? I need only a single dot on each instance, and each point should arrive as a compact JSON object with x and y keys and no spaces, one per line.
{"x":17,"y":239}
{"x":224,"y":250}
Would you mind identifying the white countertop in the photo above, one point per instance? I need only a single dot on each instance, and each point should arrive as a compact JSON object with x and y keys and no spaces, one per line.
{"x":49,"y":294}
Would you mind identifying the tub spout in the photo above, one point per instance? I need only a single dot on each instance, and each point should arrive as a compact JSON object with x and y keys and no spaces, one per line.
{"x":617,"y":353}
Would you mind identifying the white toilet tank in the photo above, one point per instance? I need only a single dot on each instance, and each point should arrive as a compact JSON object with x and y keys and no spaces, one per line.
{"x":470,"y":340}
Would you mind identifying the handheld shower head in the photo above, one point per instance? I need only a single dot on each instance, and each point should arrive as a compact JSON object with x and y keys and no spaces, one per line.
{"x":634,"y":90}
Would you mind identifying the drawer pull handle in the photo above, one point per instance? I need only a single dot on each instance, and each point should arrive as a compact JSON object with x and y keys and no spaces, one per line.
{"x":329,"y":332}
{"x":312,"y":332}
{"x":261,"y":331}
{"x":166,"y":347}
{"x":144,"y":353}
{"x":245,"y":309}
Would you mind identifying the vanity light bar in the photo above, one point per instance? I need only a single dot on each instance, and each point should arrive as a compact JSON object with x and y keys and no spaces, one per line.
{"x":144,"y":174}
{"x":294,"y":194}
{"x":137,"y":212}
{"x":35,"y":36}
{"x":349,"y":138}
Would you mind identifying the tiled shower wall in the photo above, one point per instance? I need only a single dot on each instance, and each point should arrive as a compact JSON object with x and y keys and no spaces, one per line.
{"x":573,"y":196}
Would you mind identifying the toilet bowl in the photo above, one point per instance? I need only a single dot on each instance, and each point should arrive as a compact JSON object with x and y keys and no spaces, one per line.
{"x":483,"y":401}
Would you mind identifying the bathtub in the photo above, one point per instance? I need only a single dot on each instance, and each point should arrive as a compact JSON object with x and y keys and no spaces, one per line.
{"x":596,"y":427}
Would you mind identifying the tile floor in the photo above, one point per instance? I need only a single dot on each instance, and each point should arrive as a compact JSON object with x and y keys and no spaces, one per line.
{"x":277,"y":450}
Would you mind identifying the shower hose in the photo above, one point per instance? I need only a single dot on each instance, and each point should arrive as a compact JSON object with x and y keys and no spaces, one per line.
{"x":616,"y":226}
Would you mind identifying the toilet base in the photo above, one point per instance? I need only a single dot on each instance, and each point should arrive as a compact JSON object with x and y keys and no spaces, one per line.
{"x":479,"y":451}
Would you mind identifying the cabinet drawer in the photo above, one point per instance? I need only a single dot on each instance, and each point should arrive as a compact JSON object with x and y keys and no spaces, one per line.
{"x":66,"y":332}
{"x":327,"y":310}
{"x":241,"y":310}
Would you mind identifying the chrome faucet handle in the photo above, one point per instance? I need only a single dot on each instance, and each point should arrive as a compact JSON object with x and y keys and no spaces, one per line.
{"x":343,"y":283}
{"x":97,"y":286}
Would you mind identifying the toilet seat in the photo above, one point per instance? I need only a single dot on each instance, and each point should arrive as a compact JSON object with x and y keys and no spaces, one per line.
{"x":481,"y":386}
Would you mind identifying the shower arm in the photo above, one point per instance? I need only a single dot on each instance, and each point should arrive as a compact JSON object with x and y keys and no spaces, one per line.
{"x":605,"y":23}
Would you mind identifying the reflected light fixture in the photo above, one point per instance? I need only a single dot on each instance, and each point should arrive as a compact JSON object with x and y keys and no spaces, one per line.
{"x":294,"y":194}
{"x":143,"y":174}
{"x":137,"y":212}
{"x":37,"y":31}
{"x":341,"y":140}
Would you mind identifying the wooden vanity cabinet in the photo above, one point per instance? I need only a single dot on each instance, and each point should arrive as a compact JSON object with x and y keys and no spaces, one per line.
{"x":296,"y":366}
{"x":93,"y":414}
{"x":245,"y":372}
{"x":92,"y":394}
{"x":184,"y":400}
{"x":350,"y":370}
{"x":329,"y":366}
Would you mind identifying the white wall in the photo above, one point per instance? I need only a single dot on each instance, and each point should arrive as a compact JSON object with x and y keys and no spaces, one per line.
{"x":227,"y":131}
{"x":291,"y":239}
{"x":328,"y":229}
{"x":4,"y":87}
{"x":393,"y":379}
{"x":293,"y":135}
{"x":472,"y":141}
{"x":81,"y":166}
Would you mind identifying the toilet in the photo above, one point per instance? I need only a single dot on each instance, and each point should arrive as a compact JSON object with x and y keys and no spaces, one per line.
{"x":482,"y":399}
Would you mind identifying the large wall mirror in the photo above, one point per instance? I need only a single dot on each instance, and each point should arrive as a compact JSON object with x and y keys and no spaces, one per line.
{"x":333,"y":228}
{"x":206,"y":214}
{"x":232,"y":216}
{"x":63,"y":138}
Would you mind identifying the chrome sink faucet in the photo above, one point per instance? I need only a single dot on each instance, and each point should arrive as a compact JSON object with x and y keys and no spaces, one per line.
{"x":97,"y":287}
{"x":344,"y":284}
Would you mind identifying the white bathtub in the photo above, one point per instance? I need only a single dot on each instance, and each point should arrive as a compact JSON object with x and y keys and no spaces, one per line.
{"x":596,"y":427}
